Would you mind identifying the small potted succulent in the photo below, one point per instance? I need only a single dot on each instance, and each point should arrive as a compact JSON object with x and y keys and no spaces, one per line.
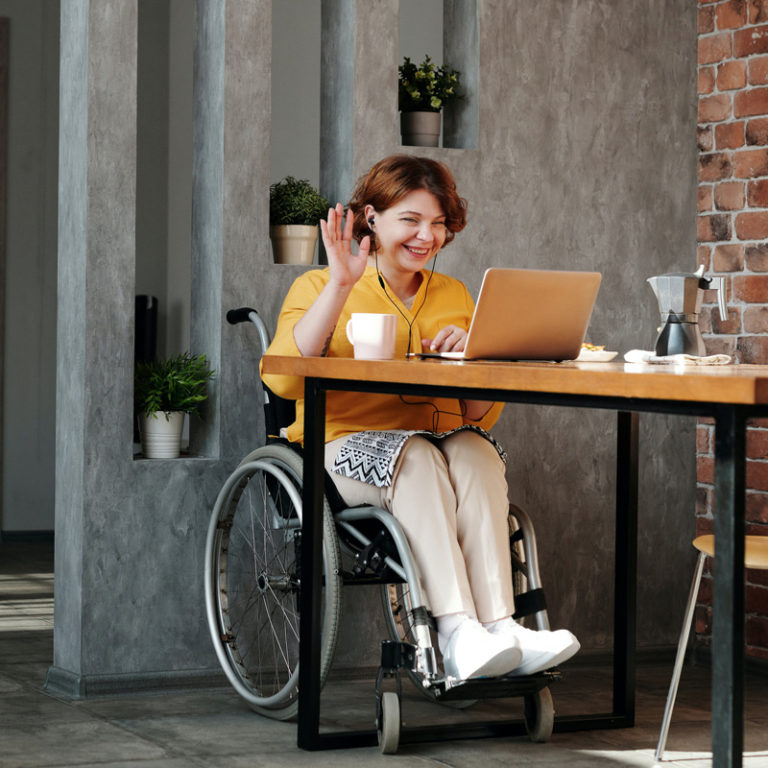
{"x":422,"y":93}
{"x":295,"y":210}
{"x":164,"y":390}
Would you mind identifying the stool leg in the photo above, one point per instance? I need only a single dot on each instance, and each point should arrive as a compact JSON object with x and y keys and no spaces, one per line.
{"x":680,"y":658}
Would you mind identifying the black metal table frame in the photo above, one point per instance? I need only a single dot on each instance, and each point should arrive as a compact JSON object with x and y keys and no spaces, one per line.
{"x":728,"y":601}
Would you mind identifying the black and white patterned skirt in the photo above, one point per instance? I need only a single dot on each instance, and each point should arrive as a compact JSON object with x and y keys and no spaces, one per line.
{"x":371,"y":456}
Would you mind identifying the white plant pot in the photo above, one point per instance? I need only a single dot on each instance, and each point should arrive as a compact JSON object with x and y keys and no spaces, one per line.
{"x":161,"y":434}
{"x":293,"y":243}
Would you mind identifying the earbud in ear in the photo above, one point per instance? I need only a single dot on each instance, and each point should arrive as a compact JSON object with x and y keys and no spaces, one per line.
{"x":370,"y":222}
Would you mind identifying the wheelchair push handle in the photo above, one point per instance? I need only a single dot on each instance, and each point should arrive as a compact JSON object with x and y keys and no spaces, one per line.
{"x":278,"y":412}
{"x":241,"y":315}
{"x":247,"y":314}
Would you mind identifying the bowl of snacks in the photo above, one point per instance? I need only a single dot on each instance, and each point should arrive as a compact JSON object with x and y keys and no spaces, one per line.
{"x":595,"y":353}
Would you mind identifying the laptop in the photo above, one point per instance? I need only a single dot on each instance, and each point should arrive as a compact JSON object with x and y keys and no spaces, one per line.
{"x":529,"y":314}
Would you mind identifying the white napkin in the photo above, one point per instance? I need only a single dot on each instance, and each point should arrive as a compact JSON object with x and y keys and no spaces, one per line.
{"x":643,"y":356}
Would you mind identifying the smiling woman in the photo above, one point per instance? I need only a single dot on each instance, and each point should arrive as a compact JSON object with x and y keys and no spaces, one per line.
{"x":407,"y":236}
{"x":427,"y":460}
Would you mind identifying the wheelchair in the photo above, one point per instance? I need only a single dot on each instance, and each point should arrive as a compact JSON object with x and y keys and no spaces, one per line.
{"x":253,"y":580}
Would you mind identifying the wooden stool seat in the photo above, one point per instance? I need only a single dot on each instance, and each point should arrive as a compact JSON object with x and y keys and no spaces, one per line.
{"x":755,"y":549}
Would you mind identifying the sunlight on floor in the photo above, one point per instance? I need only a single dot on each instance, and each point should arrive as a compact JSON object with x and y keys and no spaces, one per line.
{"x":26,"y":602}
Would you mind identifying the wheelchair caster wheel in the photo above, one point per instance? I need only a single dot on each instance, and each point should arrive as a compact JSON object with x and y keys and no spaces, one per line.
{"x":539,"y":715}
{"x":389,"y":723}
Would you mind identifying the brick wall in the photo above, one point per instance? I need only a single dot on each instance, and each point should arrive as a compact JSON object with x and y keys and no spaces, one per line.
{"x":733,"y":241}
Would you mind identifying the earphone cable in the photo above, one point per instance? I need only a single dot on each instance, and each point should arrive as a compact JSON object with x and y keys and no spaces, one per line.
{"x":409,"y":323}
{"x":436,"y":411}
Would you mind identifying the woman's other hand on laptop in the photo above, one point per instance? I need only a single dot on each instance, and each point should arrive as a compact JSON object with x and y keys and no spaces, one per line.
{"x":454,"y":339}
{"x":448,"y":339}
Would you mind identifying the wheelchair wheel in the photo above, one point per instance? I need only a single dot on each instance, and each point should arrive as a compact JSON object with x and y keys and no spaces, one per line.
{"x":252,"y":580}
{"x":388,"y":730}
{"x":539,"y":715}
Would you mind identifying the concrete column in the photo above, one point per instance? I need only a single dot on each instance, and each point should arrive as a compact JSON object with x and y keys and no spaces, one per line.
{"x":97,"y":181}
{"x":71,"y":329}
{"x":337,"y":101}
{"x":359,"y":90}
{"x":207,"y":201}
{"x":231,"y":250}
{"x":130,"y":534}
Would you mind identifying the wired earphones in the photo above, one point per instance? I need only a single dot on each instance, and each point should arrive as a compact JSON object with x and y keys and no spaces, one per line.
{"x":437,"y":411}
{"x":408,"y":322}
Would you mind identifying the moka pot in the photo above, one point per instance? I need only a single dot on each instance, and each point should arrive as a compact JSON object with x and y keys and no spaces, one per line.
{"x":680,"y":296}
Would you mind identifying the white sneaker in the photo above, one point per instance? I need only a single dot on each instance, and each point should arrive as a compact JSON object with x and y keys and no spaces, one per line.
{"x":541,"y":649}
{"x":472,"y":651}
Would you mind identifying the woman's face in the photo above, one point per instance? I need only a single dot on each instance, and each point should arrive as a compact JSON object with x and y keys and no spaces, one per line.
{"x":409,"y":233}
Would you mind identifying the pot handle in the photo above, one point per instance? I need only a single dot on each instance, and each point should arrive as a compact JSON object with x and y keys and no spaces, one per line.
{"x":718,"y":283}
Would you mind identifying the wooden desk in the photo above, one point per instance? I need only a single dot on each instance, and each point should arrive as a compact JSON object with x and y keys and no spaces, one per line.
{"x":727,"y":394}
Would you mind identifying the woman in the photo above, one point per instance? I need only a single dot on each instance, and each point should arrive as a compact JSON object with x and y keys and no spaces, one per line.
{"x":429,"y":461}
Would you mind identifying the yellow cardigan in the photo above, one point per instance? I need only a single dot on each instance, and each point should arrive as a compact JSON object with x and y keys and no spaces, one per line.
{"x":447,"y":303}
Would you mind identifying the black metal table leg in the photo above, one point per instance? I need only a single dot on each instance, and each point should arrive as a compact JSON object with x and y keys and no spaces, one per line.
{"x":728,"y":596}
{"x":625,"y":568}
{"x":311,"y":570}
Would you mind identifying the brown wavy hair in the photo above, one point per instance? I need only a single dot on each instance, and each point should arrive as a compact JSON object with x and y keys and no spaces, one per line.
{"x":396,"y":176}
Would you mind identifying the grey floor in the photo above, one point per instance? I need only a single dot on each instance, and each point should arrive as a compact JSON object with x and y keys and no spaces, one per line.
{"x":214,"y":728}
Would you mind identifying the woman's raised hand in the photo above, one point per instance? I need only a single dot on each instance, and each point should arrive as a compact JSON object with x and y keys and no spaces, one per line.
{"x":314,"y":331}
{"x":346,"y":267}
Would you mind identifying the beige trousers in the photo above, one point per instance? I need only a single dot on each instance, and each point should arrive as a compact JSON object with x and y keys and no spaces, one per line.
{"x":451,"y":501}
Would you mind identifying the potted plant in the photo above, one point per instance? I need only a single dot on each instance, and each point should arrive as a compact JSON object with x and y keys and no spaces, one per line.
{"x":422,"y":92}
{"x":295,"y":209}
{"x":164,"y":390}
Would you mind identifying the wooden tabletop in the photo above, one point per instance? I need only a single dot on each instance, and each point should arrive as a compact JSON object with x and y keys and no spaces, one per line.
{"x":735,"y":384}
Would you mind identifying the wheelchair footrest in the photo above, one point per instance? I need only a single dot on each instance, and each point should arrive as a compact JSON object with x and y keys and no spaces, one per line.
{"x":495,"y":687}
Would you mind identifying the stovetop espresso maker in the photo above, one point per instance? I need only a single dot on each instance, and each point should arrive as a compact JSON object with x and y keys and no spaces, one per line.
{"x":680,"y":296}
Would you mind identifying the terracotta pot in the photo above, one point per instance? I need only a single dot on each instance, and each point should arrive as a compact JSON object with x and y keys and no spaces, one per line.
{"x":420,"y":129}
{"x":293,"y":243}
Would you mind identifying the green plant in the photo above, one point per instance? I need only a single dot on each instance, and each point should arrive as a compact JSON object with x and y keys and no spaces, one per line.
{"x":295,"y":201}
{"x":176,"y":384}
{"x":428,"y":87}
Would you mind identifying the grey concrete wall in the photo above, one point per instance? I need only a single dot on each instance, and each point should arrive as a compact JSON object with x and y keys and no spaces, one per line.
{"x":571,"y":170}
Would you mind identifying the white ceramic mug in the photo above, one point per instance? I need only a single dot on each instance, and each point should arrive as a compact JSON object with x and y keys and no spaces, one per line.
{"x":372,"y":335}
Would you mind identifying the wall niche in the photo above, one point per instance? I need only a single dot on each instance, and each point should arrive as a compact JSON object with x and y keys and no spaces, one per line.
{"x":446,"y":31}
